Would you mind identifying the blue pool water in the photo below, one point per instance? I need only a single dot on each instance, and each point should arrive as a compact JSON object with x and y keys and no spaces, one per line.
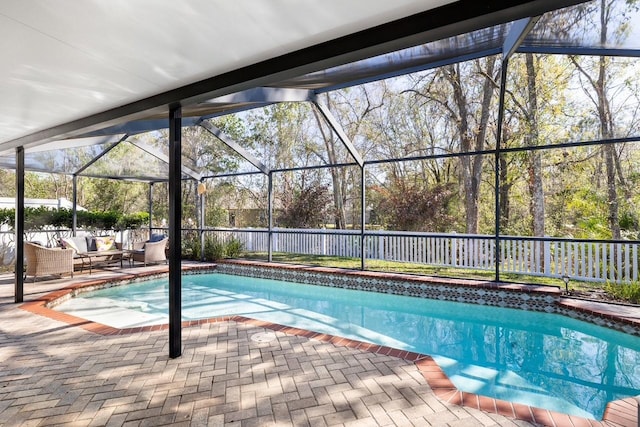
{"x":539,"y":359}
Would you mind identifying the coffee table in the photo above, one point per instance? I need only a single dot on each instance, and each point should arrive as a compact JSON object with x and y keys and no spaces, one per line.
{"x":94,"y":258}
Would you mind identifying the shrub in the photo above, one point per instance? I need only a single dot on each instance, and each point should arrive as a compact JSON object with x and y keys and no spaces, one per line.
{"x":217,"y":217}
{"x":305,"y":208}
{"x":626,"y":291}
{"x":190,"y":246}
{"x":62,"y":218}
{"x":37,"y":218}
{"x":233,"y":248}
{"x":41,"y":217}
{"x":214,"y":250}
{"x":414,"y":207}
{"x":134,"y":220}
{"x":7,"y":216}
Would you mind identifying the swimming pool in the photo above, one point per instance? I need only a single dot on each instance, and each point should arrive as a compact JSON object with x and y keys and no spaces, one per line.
{"x":538,"y":359}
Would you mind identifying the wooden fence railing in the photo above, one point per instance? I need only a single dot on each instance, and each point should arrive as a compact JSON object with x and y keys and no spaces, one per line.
{"x":578,"y":260}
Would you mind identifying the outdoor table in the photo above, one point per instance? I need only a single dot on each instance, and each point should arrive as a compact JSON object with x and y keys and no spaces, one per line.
{"x":88,"y":258}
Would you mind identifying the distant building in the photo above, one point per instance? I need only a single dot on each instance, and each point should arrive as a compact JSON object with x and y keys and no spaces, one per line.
{"x":10,"y":202}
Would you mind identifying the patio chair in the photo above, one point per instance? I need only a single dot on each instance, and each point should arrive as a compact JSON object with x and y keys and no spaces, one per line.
{"x":151,"y":252}
{"x":43,"y":261}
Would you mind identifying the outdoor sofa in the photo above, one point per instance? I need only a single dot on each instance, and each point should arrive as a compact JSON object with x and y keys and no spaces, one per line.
{"x":89,"y":251}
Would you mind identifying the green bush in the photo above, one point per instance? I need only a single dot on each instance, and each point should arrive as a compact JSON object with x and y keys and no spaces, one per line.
{"x":134,"y":220}
{"x":233,"y":248}
{"x":214,"y":250}
{"x":40,"y":217}
{"x":98,"y":220}
{"x":62,"y":218}
{"x":37,"y":218}
{"x":217,"y":217}
{"x":190,"y":246}
{"x":7,"y":216}
{"x":626,"y":291}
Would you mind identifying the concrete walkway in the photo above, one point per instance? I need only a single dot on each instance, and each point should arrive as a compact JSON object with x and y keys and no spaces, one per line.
{"x":230,"y":373}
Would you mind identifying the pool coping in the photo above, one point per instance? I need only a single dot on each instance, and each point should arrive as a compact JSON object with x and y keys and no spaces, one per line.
{"x":622,"y":412}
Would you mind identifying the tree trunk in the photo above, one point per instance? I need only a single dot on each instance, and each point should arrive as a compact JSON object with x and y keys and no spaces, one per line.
{"x":612,"y":193}
{"x":471,"y":166}
{"x":339,"y":216}
{"x":340,"y":220}
{"x":505,"y":187}
{"x":534,"y":167}
{"x":599,"y":85}
{"x":606,"y":128}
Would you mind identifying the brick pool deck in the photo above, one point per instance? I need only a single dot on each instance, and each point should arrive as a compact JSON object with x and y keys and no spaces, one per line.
{"x":56,"y":369}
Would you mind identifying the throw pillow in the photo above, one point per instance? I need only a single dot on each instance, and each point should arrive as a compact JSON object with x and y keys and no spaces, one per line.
{"x":91,"y":243}
{"x":105,"y":243}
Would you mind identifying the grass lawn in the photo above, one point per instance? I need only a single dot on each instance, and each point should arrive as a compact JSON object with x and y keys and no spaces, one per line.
{"x":419,"y":269}
{"x":604,"y":292}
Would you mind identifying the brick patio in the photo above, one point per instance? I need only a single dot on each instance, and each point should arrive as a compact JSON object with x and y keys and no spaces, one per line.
{"x":232,"y":371}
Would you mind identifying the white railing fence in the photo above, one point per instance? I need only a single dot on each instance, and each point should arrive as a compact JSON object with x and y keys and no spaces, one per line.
{"x":578,"y":260}
{"x":585,"y":261}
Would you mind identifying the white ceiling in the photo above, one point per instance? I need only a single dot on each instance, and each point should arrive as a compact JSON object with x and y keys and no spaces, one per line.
{"x":68,"y":59}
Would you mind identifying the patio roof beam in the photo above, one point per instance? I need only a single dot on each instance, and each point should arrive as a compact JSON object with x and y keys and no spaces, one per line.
{"x":516,"y":35}
{"x":160,"y":156}
{"x":139,"y":126}
{"x":232,"y":174}
{"x":335,"y":125}
{"x":144,"y":179}
{"x":579,"y":50}
{"x":413,"y":69}
{"x":99,"y":156}
{"x":229,"y":142}
{"x":251,"y":101}
{"x":65,"y":144}
{"x":136,"y":127}
{"x":315,"y":167}
{"x":264,"y":94}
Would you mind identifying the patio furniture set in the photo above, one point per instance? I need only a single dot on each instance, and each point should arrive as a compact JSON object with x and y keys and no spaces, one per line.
{"x":82,"y":252}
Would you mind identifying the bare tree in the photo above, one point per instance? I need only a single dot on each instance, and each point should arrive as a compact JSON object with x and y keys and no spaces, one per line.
{"x":352,"y":117}
{"x":534,"y":167}
{"x":599,"y":83}
{"x":472,"y":138}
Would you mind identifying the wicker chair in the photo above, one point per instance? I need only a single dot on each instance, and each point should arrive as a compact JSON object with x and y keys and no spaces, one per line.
{"x":43,"y":261}
{"x":151,"y":252}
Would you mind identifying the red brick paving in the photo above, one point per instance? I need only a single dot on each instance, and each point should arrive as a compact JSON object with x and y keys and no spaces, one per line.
{"x":620,"y":413}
